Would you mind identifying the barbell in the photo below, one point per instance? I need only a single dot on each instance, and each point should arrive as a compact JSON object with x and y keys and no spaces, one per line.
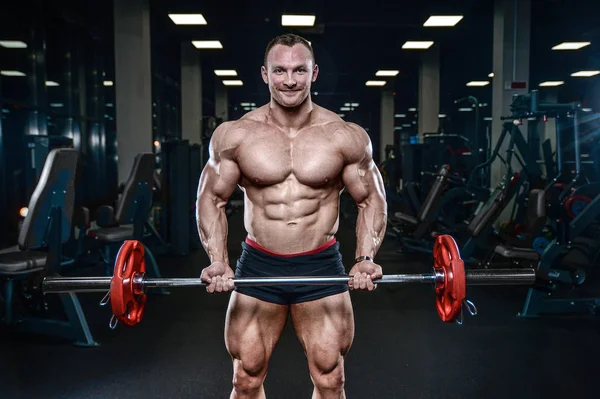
{"x":127,"y":287}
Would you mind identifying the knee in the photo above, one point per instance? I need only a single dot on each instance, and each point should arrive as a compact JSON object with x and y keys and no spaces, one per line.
{"x":327,"y":373}
{"x":248,"y":376}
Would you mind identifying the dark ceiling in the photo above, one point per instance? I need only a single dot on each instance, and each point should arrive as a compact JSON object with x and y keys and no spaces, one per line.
{"x":352,"y":40}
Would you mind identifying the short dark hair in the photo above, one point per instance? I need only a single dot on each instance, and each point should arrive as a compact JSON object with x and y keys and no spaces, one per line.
{"x":288,"y":39}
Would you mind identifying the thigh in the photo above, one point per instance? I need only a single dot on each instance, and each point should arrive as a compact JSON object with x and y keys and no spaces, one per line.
{"x":252,"y":328}
{"x":325,"y":328}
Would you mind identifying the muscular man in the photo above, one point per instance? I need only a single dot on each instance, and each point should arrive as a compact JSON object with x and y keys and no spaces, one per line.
{"x":292,"y":159}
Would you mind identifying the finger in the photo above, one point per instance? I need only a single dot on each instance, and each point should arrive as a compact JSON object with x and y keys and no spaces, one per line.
{"x":378,"y":273}
{"x":363,"y":281}
{"x":230,"y":285}
{"x":370,"y":285}
{"x":219,"y":284}
{"x":211,"y":287}
{"x":357,"y":281}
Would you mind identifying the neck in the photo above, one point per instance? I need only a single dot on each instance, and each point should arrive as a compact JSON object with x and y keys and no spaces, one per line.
{"x":291,"y":118}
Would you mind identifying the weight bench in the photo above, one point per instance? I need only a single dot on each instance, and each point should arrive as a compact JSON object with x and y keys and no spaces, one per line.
{"x":481,"y":226}
{"x":535,"y":219}
{"x":130,"y":219}
{"x":418,"y":226}
{"x":46,"y":227}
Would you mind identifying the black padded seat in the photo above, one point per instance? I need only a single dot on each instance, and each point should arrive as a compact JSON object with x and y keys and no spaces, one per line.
{"x":535,"y":218}
{"x":431,"y":201}
{"x":121,"y":225}
{"x":17,"y":262}
{"x":511,"y":252}
{"x":485,"y":218}
{"x":113,"y":234}
{"x":435,"y":194}
{"x":55,"y":188}
{"x":404,"y":218}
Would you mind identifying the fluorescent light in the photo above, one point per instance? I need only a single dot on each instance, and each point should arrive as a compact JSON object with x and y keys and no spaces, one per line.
{"x":412,"y":110}
{"x":443,"y":20}
{"x":585,"y":74}
{"x":207,"y":44}
{"x":108,"y":83}
{"x":297,"y":20}
{"x":478,"y":83}
{"x":56,"y":105}
{"x":571,"y":45}
{"x":247,"y":108}
{"x":442,"y":115}
{"x":341,"y":115}
{"x":375,"y":83}
{"x":351,"y":104}
{"x":400,"y":116}
{"x":383,"y":72}
{"x":188,"y":19}
{"x":246,"y":104}
{"x":51,"y":83}
{"x":406,"y":125}
{"x":346,"y":108}
{"x":417,"y":45}
{"x":11,"y":73}
{"x":488,"y":118}
{"x":491,"y":75}
{"x":552,"y":83}
{"x":465,"y":109}
{"x":225,"y":72}
{"x":397,"y":127}
{"x":13,"y":44}
{"x":586,"y":109}
{"x":233,"y":83}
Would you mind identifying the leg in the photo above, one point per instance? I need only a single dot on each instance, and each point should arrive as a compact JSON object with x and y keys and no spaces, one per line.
{"x":325,"y":328}
{"x":252,"y":328}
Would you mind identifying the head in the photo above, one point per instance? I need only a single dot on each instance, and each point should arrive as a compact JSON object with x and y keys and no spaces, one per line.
{"x":289,"y":69}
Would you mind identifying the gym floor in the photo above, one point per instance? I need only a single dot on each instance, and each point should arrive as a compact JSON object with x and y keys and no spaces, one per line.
{"x":401,"y":348}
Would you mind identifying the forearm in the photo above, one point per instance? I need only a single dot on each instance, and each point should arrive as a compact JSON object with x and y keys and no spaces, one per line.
{"x":370,"y":226}
{"x":212,"y":228}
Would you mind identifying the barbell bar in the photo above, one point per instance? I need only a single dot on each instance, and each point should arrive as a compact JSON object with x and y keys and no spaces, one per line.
{"x":127,"y":288}
{"x":57,"y":285}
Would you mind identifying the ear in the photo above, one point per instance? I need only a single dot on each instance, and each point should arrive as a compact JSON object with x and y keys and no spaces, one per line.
{"x":264,"y":74}
{"x":315,"y":73}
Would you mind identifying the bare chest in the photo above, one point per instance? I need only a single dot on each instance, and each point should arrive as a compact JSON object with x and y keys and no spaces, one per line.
{"x":270,"y":157}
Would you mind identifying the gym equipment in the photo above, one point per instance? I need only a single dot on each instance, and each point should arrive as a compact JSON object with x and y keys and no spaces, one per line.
{"x":129,"y":282}
{"x":555,"y":274}
{"x":575,"y":204}
{"x":130,"y":219}
{"x":45,"y":229}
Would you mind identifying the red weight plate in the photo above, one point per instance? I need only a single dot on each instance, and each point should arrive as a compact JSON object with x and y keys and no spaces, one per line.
{"x":519,"y":228}
{"x":127,"y":302}
{"x":451,"y":292}
{"x":571,"y":200}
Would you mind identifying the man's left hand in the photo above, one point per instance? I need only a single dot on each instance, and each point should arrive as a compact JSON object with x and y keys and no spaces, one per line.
{"x":364,"y":273}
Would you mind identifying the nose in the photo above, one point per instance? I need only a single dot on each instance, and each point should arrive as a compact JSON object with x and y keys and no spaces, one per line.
{"x":290,"y":81}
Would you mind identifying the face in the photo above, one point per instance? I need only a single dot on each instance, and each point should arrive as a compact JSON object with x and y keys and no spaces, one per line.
{"x":289,"y":73}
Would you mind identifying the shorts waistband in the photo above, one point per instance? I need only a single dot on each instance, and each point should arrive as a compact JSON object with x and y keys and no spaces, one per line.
{"x":320,"y":248}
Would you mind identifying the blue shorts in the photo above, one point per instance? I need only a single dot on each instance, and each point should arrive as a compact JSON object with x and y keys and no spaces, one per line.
{"x":256,"y":261}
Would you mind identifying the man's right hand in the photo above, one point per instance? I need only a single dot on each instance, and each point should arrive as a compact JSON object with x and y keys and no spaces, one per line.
{"x":218,"y":276}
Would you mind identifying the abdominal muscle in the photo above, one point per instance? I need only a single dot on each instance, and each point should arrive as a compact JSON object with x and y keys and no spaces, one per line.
{"x":290,"y":217}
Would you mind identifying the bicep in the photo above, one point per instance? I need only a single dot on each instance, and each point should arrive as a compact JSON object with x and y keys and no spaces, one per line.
{"x":221,"y":173}
{"x":363,"y":180}
{"x":219,"y":178}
